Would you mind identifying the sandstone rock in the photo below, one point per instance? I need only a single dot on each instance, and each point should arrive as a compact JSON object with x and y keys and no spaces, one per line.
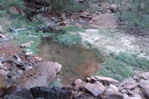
{"x":28,"y":44}
{"x":106,"y":79}
{"x":42,"y":75}
{"x":95,"y":89}
{"x":104,"y":21}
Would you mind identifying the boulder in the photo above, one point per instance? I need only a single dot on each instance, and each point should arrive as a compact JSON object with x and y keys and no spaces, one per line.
{"x":104,"y":21}
{"x":42,"y":75}
{"x":95,"y":89}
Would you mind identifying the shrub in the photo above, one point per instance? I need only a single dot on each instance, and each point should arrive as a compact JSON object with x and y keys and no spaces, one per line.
{"x":68,"y":39}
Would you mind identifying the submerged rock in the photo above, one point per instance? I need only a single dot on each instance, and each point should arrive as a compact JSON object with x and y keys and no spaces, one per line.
{"x":42,"y":75}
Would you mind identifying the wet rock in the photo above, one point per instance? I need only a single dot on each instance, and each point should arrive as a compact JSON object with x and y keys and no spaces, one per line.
{"x":42,"y":75}
{"x":95,"y":89}
{"x":28,"y":44}
{"x":20,"y":94}
{"x":104,"y":21}
{"x":51,"y":93}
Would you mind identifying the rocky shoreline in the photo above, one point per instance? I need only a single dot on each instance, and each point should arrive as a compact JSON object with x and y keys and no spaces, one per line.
{"x":20,"y":78}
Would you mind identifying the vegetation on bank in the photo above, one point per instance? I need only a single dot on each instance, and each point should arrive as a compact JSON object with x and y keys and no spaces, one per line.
{"x":123,"y":65}
{"x":118,"y":66}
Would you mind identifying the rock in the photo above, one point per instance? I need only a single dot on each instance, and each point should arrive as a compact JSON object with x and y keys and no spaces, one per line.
{"x":28,"y":44}
{"x":95,"y":89}
{"x":2,"y":36}
{"x":130,"y":85}
{"x":114,"y":7}
{"x":2,"y":85}
{"x":28,"y":53}
{"x":3,"y":69}
{"x":137,"y":96}
{"x":16,"y":10}
{"x":13,"y":10}
{"x":78,"y":84}
{"x":85,"y":15}
{"x":39,"y":59}
{"x":145,"y":86}
{"x":42,"y":75}
{"x":20,"y":93}
{"x":113,"y":87}
{"x":112,"y":95}
{"x":106,"y":79}
{"x":51,"y":93}
{"x":104,"y":21}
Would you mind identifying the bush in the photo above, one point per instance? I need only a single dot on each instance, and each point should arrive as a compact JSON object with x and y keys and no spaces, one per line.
{"x":68,"y":39}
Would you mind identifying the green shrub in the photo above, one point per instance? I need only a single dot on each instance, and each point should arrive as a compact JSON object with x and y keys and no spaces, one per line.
{"x":68,"y":39}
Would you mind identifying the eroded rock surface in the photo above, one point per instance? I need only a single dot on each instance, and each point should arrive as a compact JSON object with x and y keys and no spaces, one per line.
{"x":42,"y":75}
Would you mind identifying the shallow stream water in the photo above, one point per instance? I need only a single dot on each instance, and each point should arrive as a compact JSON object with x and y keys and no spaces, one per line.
{"x":77,"y":62}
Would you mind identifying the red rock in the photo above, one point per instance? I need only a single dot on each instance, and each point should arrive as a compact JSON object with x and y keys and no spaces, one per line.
{"x":42,"y":75}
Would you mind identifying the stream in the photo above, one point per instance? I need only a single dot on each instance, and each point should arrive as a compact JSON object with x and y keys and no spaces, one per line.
{"x":77,"y":62}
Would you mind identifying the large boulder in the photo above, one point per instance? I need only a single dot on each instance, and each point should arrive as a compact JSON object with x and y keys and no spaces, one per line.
{"x":42,"y":75}
{"x":104,"y":21}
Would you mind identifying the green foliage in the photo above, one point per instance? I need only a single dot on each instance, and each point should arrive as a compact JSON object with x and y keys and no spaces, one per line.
{"x":3,"y":13}
{"x":68,"y":39}
{"x":6,"y":3}
{"x":116,"y":69}
{"x":123,"y":65}
{"x":71,"y":28}
{"x":64,"y":5}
